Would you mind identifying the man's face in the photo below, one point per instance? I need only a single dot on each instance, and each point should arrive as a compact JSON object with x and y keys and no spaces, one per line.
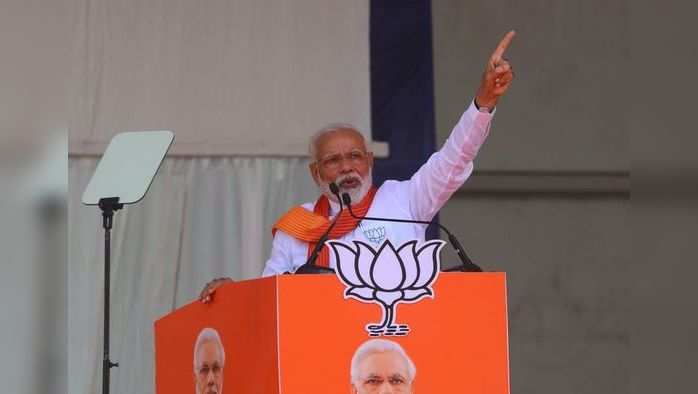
{"x":341,"y":157}
{"x":382,"y":373}
{"x":209,"y":372}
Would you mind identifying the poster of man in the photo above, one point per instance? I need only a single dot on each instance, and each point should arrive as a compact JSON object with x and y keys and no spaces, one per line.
{"x":381,"y":366}
{"x":209,"y":360}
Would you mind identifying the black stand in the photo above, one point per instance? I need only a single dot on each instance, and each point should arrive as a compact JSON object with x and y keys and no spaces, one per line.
{"x":309,"y":267}
{"x":114,"y":185}
{"x":467,"y":265}
{"x":108,"y":207}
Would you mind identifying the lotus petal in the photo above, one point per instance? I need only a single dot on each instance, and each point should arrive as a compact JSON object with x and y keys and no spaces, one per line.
{"x":415,"y":294}
{"x":364,"y":293}
{"x":366,"y":255}
{"x":387,"y":271}
{"x":408,"y":255}
{"x":428,"y":260}
{"x":345,"y":259}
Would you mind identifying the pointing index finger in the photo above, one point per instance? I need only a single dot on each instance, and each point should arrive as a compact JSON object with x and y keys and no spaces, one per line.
{"x":503,"y":45}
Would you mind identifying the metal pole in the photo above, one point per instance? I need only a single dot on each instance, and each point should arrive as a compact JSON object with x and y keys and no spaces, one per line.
{"x":108,"y":206}
{"x":106,"y":363}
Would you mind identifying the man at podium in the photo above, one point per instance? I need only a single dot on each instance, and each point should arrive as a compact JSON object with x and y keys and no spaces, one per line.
{"x":340,"y":156}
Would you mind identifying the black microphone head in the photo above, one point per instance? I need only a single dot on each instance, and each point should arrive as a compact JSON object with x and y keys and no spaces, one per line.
{"x":334,"y":188}
{"x":346,"y":199}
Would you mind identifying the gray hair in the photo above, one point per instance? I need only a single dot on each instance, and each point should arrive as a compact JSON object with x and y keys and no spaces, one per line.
{"x":208,"y":335}
{"x":380,"y":346}
{"x":329,"y":129}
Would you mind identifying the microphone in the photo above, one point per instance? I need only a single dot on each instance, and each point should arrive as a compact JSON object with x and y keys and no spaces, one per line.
{"x":467,"y":264}
{"x":309,"y":267}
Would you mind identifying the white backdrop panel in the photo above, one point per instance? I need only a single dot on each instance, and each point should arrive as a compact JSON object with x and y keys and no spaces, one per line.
{"x":227,"y":76}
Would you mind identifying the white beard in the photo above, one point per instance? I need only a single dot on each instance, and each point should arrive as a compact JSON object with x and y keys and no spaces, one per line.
{"x":356,"y":193}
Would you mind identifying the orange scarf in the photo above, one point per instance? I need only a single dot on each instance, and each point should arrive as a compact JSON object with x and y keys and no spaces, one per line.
{"x":309,"y":226}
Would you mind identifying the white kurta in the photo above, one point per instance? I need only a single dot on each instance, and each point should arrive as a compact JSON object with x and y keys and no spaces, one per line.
{"x":418,"y":198}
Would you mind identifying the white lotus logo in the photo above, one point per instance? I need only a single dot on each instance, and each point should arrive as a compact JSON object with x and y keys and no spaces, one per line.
{"x":387,"y":276}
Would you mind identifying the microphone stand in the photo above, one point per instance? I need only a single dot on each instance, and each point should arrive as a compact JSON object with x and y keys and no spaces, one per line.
{"x":467,"y":264}
{"x":108,"y":207}
{"x":309,"y":267}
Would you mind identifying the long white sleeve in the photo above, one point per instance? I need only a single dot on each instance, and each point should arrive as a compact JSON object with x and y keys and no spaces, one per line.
{"x":286,"y":252}
{"x":447,"y":169}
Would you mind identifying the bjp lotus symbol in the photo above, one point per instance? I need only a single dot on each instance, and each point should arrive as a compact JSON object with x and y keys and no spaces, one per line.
{"x":387,"y":277}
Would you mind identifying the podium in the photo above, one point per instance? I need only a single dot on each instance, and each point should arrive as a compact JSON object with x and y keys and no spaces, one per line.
{"x":297,"y":334}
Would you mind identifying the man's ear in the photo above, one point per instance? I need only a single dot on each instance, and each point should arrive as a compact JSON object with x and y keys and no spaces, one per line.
{"x":314,"y":172}
{"x":370,"y":159}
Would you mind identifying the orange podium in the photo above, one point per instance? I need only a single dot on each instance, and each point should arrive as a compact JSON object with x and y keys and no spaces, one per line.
{"x":297,"y":334}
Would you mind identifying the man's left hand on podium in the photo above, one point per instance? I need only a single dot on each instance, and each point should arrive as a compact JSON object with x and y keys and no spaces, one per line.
{"x":206,"y":295}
